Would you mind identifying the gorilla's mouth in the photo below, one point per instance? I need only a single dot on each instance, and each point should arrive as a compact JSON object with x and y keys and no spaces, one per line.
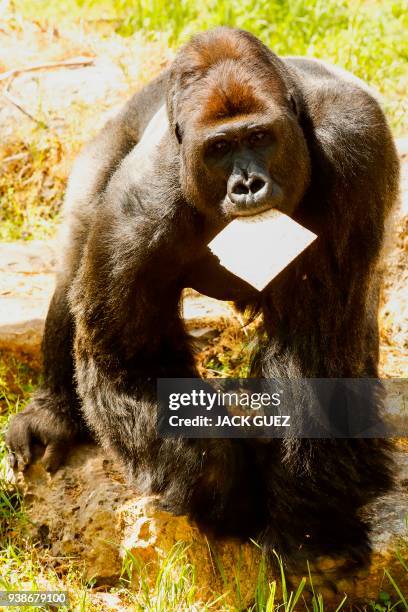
{"x":243,"y":211}
{"x":250,"y":206}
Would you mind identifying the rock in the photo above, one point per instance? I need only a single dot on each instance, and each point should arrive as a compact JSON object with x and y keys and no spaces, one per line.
{"x":394,"y":307}
{"x":202,"y":336}
{"x":26,"y":285}
{"x":402,"y":146}
{"x":107,"y":601}
{"x":86,"y":509}
{"x":35,"y":257}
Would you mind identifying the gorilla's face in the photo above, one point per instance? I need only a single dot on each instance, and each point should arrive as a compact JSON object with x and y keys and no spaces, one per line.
{"x":239,"y":155}
{"x":242,"y":148}
{"x":245,"y":164}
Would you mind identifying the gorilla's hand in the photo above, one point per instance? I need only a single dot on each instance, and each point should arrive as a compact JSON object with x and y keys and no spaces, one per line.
{"x":209,"y":277}
{"x":44,"y":426}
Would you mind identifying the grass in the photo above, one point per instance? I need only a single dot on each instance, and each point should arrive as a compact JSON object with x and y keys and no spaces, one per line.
{"x":31,"y":203}
{"x":230,"y":355}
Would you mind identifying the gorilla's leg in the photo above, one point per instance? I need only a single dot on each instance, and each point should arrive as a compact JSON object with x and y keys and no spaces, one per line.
{"x":52,"y":418}
{"x":316,"y":488}
{"x":118,"y":389}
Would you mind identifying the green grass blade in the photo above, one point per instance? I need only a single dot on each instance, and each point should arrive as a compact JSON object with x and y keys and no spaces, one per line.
{"x":396,"y":587}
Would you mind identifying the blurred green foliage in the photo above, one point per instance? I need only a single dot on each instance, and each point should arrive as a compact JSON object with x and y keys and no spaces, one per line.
{"x":367,"y":37}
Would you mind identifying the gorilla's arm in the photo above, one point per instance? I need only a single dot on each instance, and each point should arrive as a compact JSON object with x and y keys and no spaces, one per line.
{"x":98,"y":161}
{"x":125,"y":300}
{"x":53,"y":418}
{"x":209,"y":277}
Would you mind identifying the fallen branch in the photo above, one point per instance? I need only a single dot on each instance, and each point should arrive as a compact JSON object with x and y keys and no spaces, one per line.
{"x":21,"y":108}
{"x":10,"y":74}
{"x":72,"y":63}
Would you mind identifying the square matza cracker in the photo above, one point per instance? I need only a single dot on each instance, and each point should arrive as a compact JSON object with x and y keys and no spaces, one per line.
{"x":257,"y":248}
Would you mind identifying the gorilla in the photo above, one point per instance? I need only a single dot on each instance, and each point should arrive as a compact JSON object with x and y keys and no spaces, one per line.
{"x":246,"y":131}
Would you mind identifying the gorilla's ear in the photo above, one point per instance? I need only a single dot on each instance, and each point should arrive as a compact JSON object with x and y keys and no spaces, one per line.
{"x":177,"y":131}
{"x":172,"y":99}
{"x":294,"y":104}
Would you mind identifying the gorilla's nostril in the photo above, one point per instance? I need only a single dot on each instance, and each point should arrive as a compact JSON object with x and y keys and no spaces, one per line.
{"x":240,"y":189}
{"x":256,"y":185}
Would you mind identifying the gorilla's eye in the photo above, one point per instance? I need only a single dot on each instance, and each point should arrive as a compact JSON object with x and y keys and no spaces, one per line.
{"x":259,"y":138}
{"x":220,"y":147}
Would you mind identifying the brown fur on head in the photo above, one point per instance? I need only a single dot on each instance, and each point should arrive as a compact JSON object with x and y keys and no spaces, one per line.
{"x":226,"y":77}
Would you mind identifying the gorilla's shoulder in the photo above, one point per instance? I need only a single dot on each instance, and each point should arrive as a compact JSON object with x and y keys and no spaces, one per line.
{"x":316,"y":71}
{"x":144,"y":104}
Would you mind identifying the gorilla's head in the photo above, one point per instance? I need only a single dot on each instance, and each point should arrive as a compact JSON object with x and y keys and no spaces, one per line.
{"x":233,"y":109}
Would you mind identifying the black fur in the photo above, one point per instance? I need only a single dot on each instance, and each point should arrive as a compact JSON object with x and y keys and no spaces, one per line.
{"x":130,"y":252}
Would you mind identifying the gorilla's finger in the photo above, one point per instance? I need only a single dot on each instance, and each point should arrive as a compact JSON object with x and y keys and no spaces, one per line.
{"x":22,"y":457}
{"x":18,"y":440}
{"x":11,"y":460}
{"x":53,"y":456}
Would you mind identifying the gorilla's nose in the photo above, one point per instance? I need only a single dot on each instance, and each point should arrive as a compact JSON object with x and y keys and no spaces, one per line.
{"x":249,"y":191}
